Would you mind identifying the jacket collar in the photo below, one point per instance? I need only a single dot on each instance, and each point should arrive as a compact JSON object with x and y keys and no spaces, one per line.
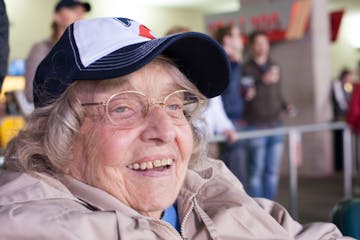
{"x":16,"y":187}
{"x":97,"y":198}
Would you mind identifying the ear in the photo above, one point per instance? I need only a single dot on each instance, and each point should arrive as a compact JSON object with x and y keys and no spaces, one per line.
{"x":57,"y":17}
{"x":226,"y":40}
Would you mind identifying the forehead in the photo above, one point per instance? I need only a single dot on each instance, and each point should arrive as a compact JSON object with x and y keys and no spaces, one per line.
{"x":261,"y":38}
{"x":154,"y":79}
{"x":235,"y":29}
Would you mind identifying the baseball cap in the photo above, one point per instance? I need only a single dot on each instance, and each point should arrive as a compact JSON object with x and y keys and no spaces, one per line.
{"x":72,"y":3}
{"x":104,"y":48}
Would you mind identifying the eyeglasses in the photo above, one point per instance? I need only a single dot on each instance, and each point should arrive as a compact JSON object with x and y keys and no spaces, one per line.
{"x":129,"y":108}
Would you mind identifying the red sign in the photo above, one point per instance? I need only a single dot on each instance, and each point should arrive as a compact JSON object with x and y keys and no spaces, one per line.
{"x":289,"y":21}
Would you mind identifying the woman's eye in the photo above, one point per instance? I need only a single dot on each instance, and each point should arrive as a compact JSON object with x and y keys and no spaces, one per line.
{"x":175,"y":107}
{"x":121,"y":109}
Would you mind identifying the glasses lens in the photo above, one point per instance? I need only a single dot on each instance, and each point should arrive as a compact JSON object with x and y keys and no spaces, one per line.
{"x":181,"y":104}
{"x":126,"y":108}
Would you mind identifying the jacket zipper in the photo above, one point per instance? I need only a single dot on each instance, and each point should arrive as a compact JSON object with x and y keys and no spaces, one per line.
{"x":188,"y":212}
{"x":169,"y":227}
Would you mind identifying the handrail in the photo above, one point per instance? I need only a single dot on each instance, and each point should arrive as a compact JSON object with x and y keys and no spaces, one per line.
{"x":282,"y":131}
{"x":294,"y":133}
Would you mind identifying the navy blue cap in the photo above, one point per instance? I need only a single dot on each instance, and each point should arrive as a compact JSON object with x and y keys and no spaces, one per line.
{"x":105,"y":48}
{"x":72,"y":3}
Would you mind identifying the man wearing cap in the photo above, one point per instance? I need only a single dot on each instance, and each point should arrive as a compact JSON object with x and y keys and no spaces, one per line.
{"x":112,"y":150}
{"x":65,"y":13}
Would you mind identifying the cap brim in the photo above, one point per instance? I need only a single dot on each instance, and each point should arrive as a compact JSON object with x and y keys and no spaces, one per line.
{"x":201,"y":60}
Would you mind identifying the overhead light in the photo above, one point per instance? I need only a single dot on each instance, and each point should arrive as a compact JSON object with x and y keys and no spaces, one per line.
{"x":352,"y":30}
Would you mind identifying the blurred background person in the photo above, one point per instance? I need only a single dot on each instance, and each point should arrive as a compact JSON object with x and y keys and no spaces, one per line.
{"x":341,"y":91}
{"x":65,"y":13}
{"x":177,"y":29}
{"x":11,"y":106}
{"x":263,"y":107}
{"x":353,"y":113}
{"x":4,"y":42}
{"x":229,"y":37}
{"x":215,"y":117}
{"x":217,"y":123}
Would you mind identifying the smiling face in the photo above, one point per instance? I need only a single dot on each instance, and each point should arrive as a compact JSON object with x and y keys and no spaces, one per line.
{"x":233,"y":44}
{"x":261,"y":46}
{"x":144,"y":166}
{"x":67,"y":15}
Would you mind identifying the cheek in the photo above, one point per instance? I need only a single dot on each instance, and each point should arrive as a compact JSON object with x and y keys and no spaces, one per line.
{"x":185,"y":143}
{"x":114,"y":146}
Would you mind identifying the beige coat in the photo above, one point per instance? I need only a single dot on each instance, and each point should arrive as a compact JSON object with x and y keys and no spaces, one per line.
{"x":211,"y":205}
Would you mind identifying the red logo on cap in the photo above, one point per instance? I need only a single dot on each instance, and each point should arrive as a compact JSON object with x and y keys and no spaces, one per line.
{"x":145,"y":32}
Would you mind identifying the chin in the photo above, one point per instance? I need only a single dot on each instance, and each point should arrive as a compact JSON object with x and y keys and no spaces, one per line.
{"x":154,"y":204}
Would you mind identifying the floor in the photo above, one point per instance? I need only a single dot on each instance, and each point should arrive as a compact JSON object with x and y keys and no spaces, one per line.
{"x":316,"y":196}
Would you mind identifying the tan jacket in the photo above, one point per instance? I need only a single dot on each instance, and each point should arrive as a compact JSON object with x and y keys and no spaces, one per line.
{"x":211,"y":205}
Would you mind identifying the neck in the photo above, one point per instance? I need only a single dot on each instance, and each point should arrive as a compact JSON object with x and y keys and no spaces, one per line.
{"x":155,"y":215}
{"x":262,"y":59}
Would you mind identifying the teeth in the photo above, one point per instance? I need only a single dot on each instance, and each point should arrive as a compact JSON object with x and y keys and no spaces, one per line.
{"x":164,"y":162}
{"x":136,"y":166}
{"x":157,"y":163}
{"x":150,"y":165}
{"x":169,"y":161}
{"x":143,"y":166}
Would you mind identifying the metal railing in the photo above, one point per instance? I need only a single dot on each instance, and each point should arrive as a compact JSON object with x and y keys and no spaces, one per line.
{"x":294,"y":139}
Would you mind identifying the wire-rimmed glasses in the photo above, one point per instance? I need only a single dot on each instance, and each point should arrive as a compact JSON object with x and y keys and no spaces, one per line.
{"x":129,"y":108}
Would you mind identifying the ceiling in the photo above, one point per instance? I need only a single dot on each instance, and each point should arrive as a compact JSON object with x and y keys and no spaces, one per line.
{"x":209,"y":5}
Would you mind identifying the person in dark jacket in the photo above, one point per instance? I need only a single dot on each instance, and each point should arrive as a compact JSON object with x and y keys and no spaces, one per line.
{"x":4,"y":42}
{"x":263,"y":107}
{"x":341,"y":92}
{"x":229,"y":37}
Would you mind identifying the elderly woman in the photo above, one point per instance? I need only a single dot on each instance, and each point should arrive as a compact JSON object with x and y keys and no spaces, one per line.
{"x":112,"y":152}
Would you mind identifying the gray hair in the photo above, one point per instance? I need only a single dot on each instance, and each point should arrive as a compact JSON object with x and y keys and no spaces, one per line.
{"x":46,"y":142}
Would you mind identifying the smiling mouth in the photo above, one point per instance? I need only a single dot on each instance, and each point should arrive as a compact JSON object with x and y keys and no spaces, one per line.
{"x":158,"y":164}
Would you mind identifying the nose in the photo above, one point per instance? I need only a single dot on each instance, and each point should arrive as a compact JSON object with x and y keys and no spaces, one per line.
{"x":158,"y":126}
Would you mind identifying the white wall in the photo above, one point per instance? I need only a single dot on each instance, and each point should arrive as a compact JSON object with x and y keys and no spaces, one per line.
{"x":158,"y":19}
{"x":30,"y":19}
{"x":343,"y":52}
{"x":29,"y":22}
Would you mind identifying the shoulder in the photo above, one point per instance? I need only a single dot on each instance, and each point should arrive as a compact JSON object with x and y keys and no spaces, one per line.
{"x":43,"y":209}
{"x":39,"y":219}
{"x":216,"y":180}
{"x":55,"y":219}
{"x":42,"y":48}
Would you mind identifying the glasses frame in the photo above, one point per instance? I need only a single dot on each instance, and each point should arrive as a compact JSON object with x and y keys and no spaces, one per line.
{"x":146,"y":109}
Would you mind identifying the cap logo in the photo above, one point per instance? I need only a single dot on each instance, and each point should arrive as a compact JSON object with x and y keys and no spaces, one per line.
{"x":125,"y":21}
{"x":112,"y":34}
{"x":145,"y":32}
